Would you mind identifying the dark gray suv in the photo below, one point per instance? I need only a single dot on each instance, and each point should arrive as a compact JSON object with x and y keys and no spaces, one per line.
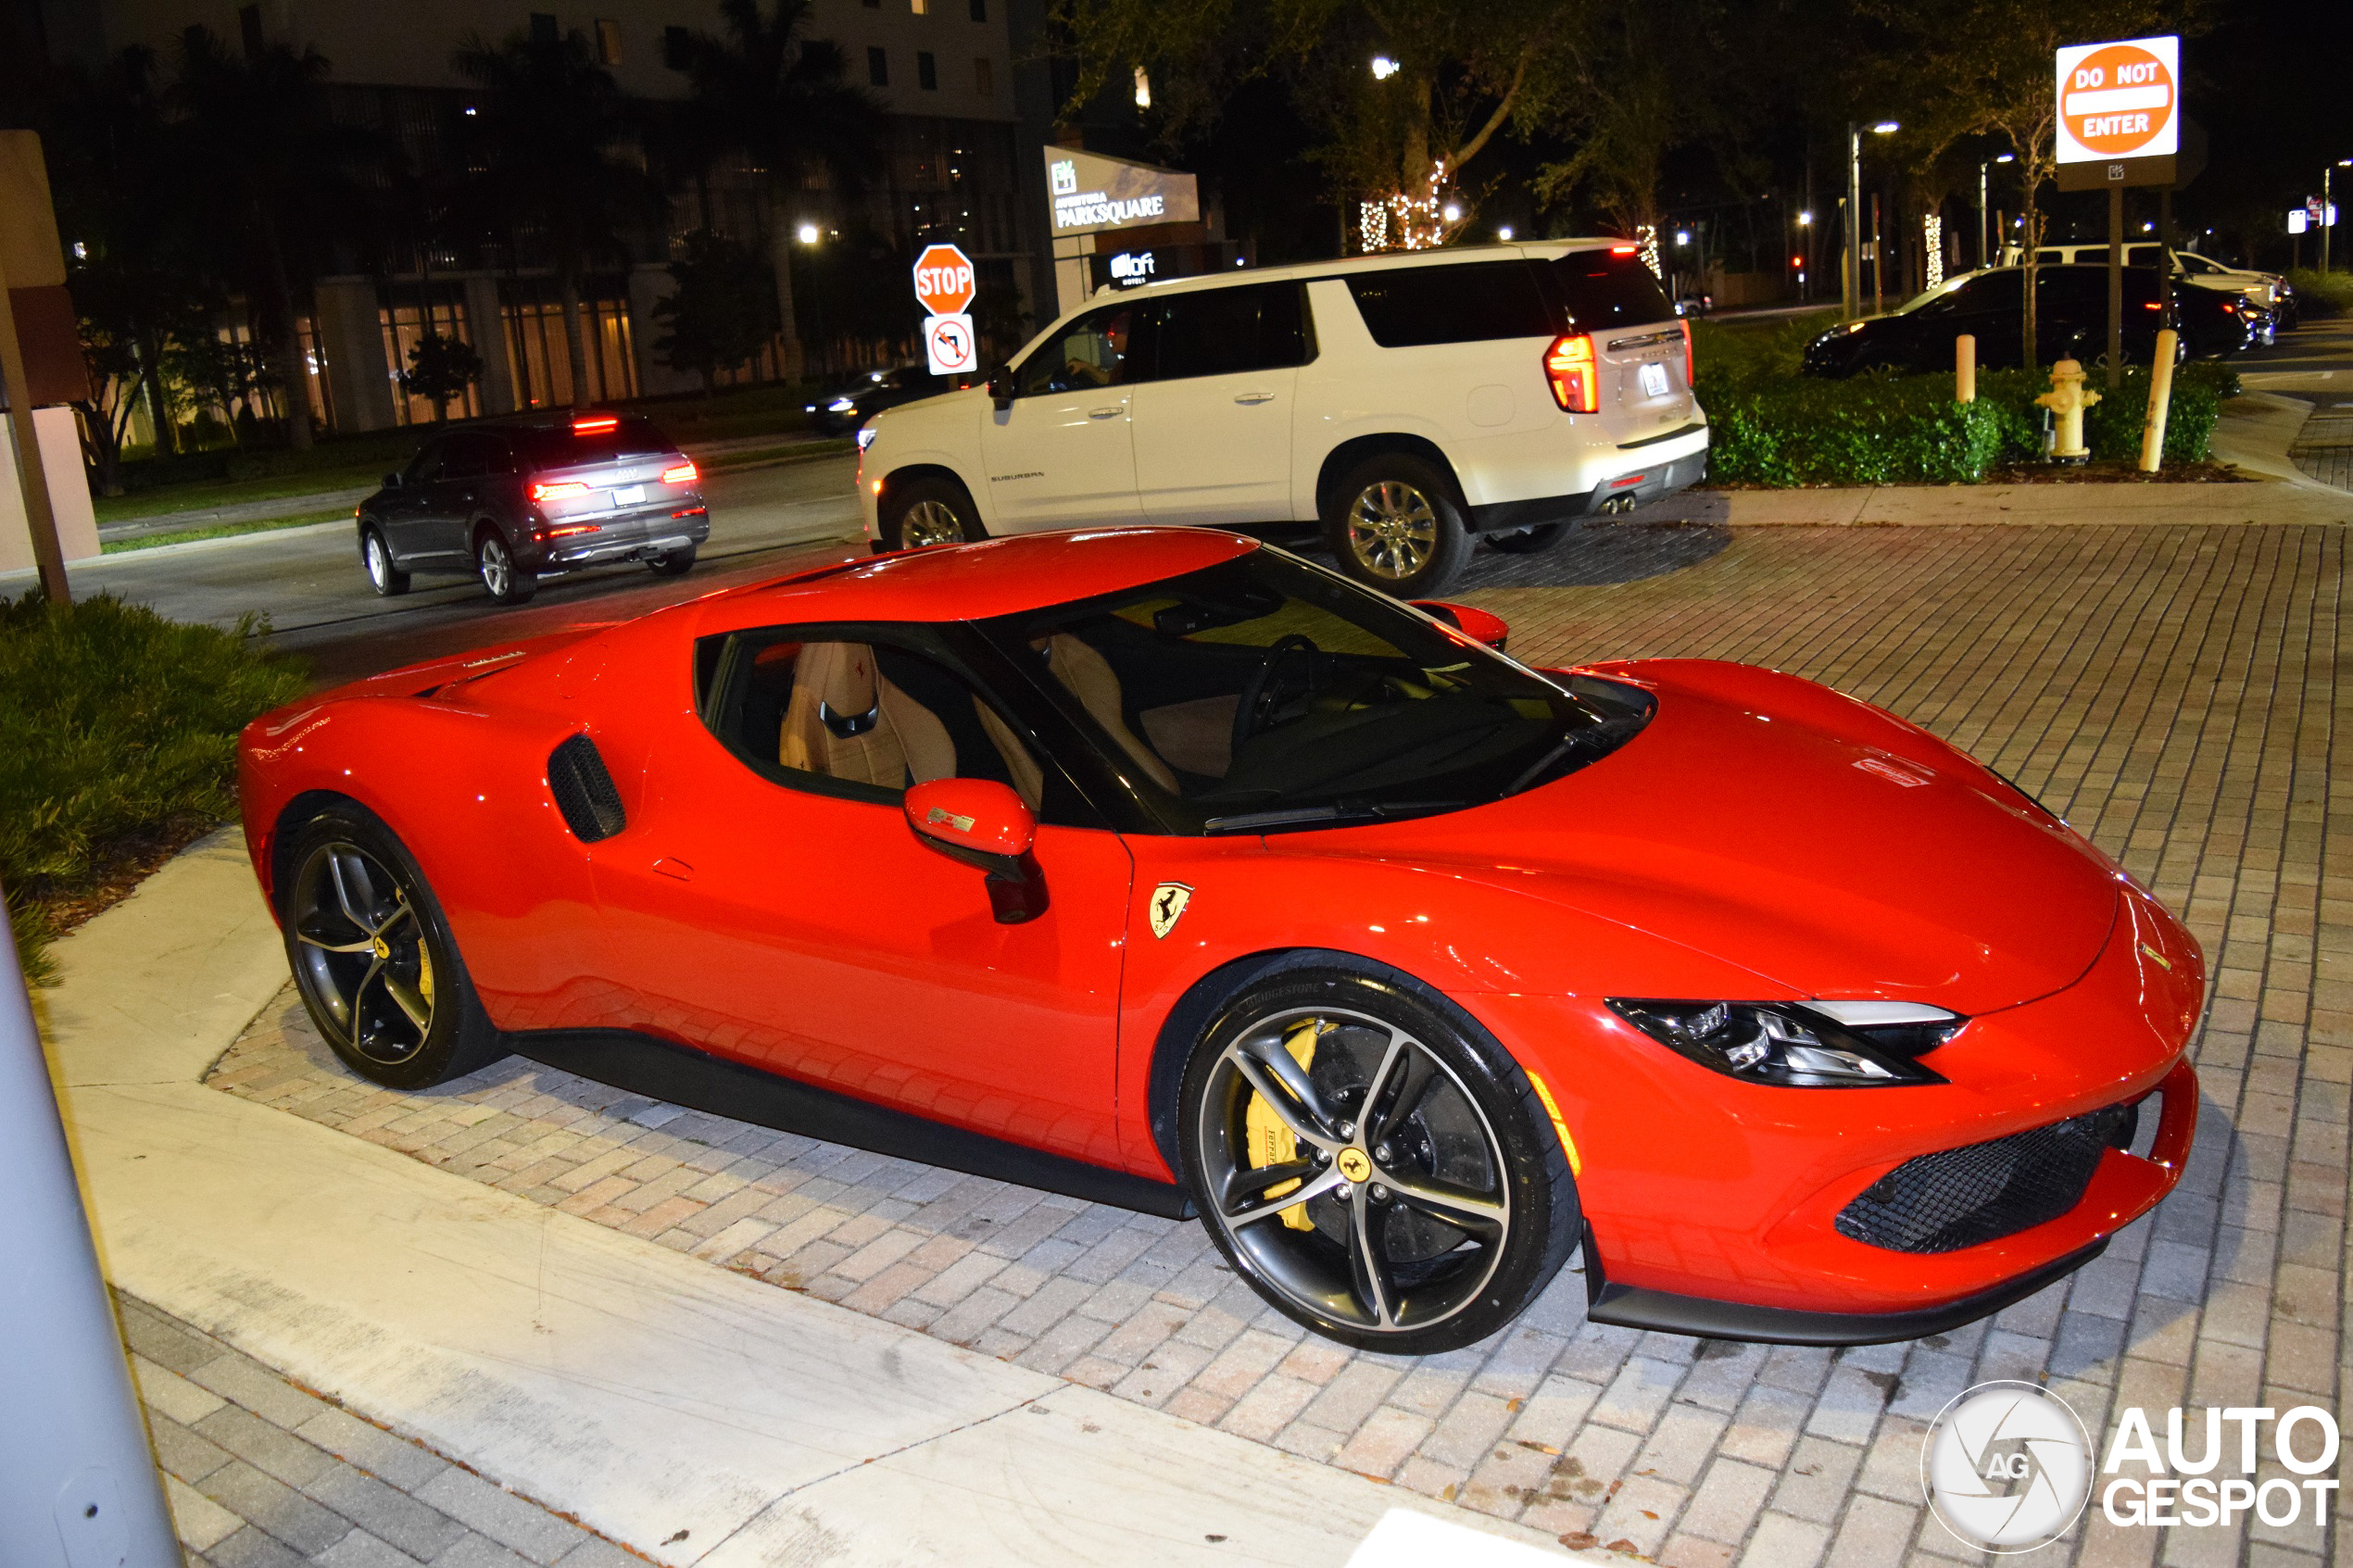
{"x":523,"y":500}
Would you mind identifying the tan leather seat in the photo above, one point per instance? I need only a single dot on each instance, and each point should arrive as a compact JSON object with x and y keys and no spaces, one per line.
{"x":845,"y":720}
{"x":1090,"y":679}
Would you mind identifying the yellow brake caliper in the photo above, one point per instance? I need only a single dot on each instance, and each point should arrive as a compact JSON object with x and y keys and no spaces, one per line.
{"x":1269,"y":1142}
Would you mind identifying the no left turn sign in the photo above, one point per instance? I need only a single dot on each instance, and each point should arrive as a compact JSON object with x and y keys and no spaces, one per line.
{"x":2118,"y":100}
{"x":949,"y":344}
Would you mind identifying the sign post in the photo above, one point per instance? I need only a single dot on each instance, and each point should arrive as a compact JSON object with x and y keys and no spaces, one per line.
{"x":2119,"y":124}
{"x":945,"y":283}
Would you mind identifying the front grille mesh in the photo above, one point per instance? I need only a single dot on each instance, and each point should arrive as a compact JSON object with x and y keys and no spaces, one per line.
{"x":1960,"y":1197}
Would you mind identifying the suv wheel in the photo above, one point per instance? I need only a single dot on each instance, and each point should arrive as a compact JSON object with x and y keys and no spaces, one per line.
{"x":1372,"y":1164}
{"x":673,"y":563}
{"x":928,"y":512}
{"x":1393,"y":523}
{"x":506,"y":582}
{"x":376,"y":557}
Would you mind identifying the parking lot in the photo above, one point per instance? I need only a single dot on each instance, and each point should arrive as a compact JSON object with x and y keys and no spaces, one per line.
{"x":2172,"y":690}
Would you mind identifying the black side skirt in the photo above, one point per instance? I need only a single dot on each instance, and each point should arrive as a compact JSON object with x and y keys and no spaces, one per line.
{"x":1631,"y":1306}
{"x":647,"y":1066}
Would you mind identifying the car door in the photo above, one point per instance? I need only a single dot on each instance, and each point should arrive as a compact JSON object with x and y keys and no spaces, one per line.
{"x":777,"y":908}
{"x":1212,"y":412}
{"x":1989,"y":307}
{"x":456,"y":496}
{"x":406,"y":509}
{"x":1062,"y":453}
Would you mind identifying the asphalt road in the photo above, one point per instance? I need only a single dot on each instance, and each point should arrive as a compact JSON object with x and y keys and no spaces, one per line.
{"x":308,"y":584}
{"x":2315,"y":358}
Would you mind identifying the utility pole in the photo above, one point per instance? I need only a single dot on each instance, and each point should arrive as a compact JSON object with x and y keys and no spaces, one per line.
{"x":1851,"y":270}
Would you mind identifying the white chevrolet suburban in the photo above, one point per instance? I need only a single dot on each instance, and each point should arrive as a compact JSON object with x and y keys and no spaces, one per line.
{"x":1410,"y":404}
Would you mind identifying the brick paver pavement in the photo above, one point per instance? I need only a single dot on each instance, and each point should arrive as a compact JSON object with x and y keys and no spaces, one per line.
{"x":2172,"y":690}
{"x":261,"y":1472}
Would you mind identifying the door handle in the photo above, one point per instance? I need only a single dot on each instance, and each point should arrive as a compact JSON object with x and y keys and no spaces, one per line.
{"x":1104,"y":413}
{"x":671,"y":866}
{"x":1253,"y":397}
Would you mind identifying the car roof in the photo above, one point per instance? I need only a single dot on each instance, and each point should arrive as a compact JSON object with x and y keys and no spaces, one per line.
{"x":977,"y":582}
{"x":1387,"y":261}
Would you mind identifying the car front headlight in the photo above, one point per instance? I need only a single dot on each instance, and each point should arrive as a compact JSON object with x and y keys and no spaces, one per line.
{"x":840,"y":406}
{"x":1796,"y":1044}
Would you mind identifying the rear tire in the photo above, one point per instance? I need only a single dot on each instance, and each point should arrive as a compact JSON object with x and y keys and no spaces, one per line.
{"x":673,"y":563}
{"x":927,"y":512}
{"x":502,"y":577}
{"x":1393,"y":523}
{"x":1544,"y":536}
{"x":373,"y":955}
{"x":375,"y":560}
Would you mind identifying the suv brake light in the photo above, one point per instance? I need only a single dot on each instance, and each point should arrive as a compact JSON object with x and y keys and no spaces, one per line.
{"x":1685,"y":323}
{"x":595,"y":424}
{"x":558,"y":491}
{"x":1571,"y":367}
{"x":683,"y":474}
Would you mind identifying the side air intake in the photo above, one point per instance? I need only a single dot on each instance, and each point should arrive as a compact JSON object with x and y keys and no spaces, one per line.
{"x":583,"y":790}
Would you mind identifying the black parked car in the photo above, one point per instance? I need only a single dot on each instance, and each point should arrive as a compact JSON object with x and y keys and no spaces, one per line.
{"x":527,"y":498}
{"x":844,"y":408}
{"x":2071,"y":322}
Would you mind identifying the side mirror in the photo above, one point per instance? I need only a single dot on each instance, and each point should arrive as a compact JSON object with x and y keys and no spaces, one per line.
{"x":983,"y":823}
{"x":1472,"y":621}
{"x":1000,"y":387}
{"x":391,"y":480}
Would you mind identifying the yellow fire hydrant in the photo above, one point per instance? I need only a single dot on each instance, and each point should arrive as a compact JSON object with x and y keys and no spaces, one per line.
{"x":2068,"y":399}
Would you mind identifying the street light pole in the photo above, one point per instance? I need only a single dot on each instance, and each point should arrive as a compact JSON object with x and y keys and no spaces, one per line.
{"x":1852,"y":280}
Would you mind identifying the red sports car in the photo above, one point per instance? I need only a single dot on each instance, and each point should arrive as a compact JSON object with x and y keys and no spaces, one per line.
{"x":1163,"y":867}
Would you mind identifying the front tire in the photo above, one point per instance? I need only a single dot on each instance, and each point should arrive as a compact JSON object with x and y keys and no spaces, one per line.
{"x":502,"y":577}
{"x":375,"y":558}
{"x":374,"y":957}
{"x":1401,"y":1190}
{"x":1393,"y":523}
{"x":927,"y":512}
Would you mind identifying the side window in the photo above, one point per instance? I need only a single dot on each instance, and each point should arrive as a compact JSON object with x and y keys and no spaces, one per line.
{"x":2001,"y":289}
{"x":1090,"y":352}
{"x":863,"y":720}
{"x":465,"y":458}
{"x":2073,"y":289}
{"x":1231,"y":330}
{"x":1467,"y":302}
{"x":427,"y":466}
{"x":496,"y":456}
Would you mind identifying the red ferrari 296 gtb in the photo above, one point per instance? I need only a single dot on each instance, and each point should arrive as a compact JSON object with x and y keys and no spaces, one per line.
{"x":1163,"y":867}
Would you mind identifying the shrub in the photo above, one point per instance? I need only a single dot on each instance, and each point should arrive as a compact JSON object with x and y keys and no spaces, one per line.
{"x":1907,"y":430}
{"x":115,"y":724}
{"x":2324,"y":293}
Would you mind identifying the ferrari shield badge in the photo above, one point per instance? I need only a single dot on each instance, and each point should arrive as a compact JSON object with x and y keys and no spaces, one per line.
{"x":1168,"y":905}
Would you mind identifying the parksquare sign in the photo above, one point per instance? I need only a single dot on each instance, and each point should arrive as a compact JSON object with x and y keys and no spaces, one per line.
{"x":1088,"y":193}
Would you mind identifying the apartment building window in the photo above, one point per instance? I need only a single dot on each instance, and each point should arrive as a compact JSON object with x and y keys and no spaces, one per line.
{"x":980,"y":10}
{"x":874,"y":5}
{"x":543,"y":27}
{"x":674,"y":48}
{"x":250,"y":30}
{"x":920,"y":8}
{"x":608,"y":41}
{"x":877,"y":68}
{"x":926,"y":71}
{"x":984,"y":78}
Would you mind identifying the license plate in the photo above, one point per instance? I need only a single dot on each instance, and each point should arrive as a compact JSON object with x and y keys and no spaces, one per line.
{"x":629,"y":496}
{"x":1654,"y":380}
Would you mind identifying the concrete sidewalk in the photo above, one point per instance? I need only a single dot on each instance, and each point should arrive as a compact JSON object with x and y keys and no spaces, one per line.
{"x":693,"y":1415}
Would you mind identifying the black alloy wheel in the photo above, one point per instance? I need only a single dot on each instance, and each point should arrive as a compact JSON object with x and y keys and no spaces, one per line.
{"x":1375,"y":1166}
{"x":375,"y":558}
{"x":673,"y":563}
{"x":927,"y":512}
{"x":372,"y":955}
{"x":502,"y":577}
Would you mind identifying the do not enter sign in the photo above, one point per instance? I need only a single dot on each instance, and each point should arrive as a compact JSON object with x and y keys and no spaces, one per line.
{"x":944,"y":280}
{"x":2118,"y":100}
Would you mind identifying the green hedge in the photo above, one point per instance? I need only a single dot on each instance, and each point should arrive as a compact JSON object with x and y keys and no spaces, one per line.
{"x":2324,"y":293}
{"x":114,"y":724}
{"x":1907,"y":430}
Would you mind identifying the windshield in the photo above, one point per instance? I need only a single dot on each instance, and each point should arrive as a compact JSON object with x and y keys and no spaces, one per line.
{"x":1262,"y":694}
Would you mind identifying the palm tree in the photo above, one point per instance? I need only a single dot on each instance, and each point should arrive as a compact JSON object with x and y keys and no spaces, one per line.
{"x":269,"y":158}
{"x":779,"y":98}
{"x":557,"y":133}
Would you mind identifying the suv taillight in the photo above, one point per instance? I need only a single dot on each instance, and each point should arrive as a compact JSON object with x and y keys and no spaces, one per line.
{"x":1569,"y":366}
{"x":1686,"y":324}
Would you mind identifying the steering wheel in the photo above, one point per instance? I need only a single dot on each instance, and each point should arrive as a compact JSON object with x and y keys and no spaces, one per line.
{"x":1264,"y":693}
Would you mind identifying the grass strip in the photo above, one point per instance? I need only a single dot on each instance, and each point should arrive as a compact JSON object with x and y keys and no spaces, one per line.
{"x":219,"y":531}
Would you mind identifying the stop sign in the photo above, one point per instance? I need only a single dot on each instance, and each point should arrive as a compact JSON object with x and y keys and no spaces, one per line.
{"x":944,"y":280}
